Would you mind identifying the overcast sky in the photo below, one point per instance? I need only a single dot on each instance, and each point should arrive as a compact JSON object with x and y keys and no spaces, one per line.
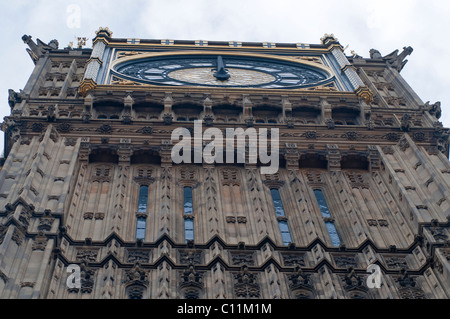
{"x":362,"y":25}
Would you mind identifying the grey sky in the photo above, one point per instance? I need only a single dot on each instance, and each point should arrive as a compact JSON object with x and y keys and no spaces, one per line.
{"x":362,"y":25}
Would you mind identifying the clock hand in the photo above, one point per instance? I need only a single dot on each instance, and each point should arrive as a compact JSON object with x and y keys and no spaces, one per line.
{"x":221,"y":74}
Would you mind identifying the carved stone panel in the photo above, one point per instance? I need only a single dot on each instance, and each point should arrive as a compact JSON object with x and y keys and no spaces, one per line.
{"x":190,"y":256}
{"x":137,"y":255}
{"x":292,"y":260}
{"x":246,"y":284}
{"x":345,"y":261}
{"x":394,"y":262}
{"x":239,"y":259}
{"x":87,"y":255}
{"x":300,"y":284}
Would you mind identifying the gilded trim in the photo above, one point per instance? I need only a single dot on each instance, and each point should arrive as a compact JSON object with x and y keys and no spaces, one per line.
{"x":365,"y":93}
{"x":259,"y":55}
{"x":86,"y":85}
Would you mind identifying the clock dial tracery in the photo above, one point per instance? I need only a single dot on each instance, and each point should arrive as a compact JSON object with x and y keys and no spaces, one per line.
{"x":218,"y":71}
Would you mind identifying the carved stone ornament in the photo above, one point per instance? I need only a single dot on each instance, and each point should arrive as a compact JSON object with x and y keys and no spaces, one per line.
{"x":27,"y":284}
{"x":330,"y":124}
{"x":412,"y":293}
{"x":242,"y":259}
{"x":419,"y":136}
{"x":311,"y":134}
{"x":87,"y":255}
{"x":408,"y":288}
{"x":37,"y":127}
{"x":70,"y":142}
{"x":246,"y":284}
{"x":25,"y":217}
{"x":300,"y":284}
{"x":45,"y":223}
{"x":40,"y":242}
{"x":370,"y":124}
{"x":354,"y":285}
{"x":38,"y":49}
{"x":191,"y":282}
{"x":242,"y":220}
{"x":375,"y":54}
{"x":230,"y":219}
{"x":397,"y":61}
{"x":388,"y":150}
{"x":167,"y":119}
{"x":208,"y":120}
{"x":87,"y":279}
{"x":404,"y":280}
{"x":126,"y":118}
{"x":135,"y":256}
{"x":64,"y":127}
{"x":105,"y":129}
{"x":351,"y":136}
{"x":136,"y":275}
{"x":404,"y":145}
{"x":393,"y":137}
{"x":438,"y":232}
{"x":3,"y":230}
{"x":86,"y":116}
{"x":147,"y":130}
{"x":99,"y":216}
{"x":51,"y":115}
{"x":394,"y":262}
{"x":14,"y":98}
{"x":372,"y":222}
{"x":135,"y":292}
{"x":136,"y":281}
{"x":345,"y":261}
{"x":293,"y":260}
{"x":88,"y":215}
{"x":434,"y":109}
{"x":250,"y":121}
{"x":383,"y":223}
{"x":290,"y":122}
{"x":18,"y":237}
{"x":405,"y":124}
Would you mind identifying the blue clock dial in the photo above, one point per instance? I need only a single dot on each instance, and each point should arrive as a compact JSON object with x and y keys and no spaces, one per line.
{"x":221,"y":71}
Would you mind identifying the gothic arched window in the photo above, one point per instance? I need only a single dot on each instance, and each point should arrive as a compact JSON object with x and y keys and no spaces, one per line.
{"x":188,"y":214}
{"x":142,"y":212}
{"x":327,"y":218}
{"x":281,"y":216}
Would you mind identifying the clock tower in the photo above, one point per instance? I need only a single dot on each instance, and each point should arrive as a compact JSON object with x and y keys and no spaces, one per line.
{"x":93,"y":204}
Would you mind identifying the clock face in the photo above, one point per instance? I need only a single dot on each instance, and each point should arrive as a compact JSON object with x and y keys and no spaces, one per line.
{"x":221,"y":71}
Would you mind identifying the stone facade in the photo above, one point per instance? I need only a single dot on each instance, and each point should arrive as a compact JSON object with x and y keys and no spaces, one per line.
{"x":80,"y":146}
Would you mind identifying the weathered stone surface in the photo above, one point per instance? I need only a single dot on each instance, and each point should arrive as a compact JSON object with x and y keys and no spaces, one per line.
{"x":78,"y":152}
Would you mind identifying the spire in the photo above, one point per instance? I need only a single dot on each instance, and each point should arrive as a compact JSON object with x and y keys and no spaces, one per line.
{"x":37,"y":50}
{"x":397,"y":61}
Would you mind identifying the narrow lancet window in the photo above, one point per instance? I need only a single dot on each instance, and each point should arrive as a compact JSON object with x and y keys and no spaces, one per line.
{"x":143,"y":199}
{"x":328,"y":219}
{"x":281,"y":217}
{"x":142,"y":212}
{"x":140,"y":228}
{"x":188,"y":214}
